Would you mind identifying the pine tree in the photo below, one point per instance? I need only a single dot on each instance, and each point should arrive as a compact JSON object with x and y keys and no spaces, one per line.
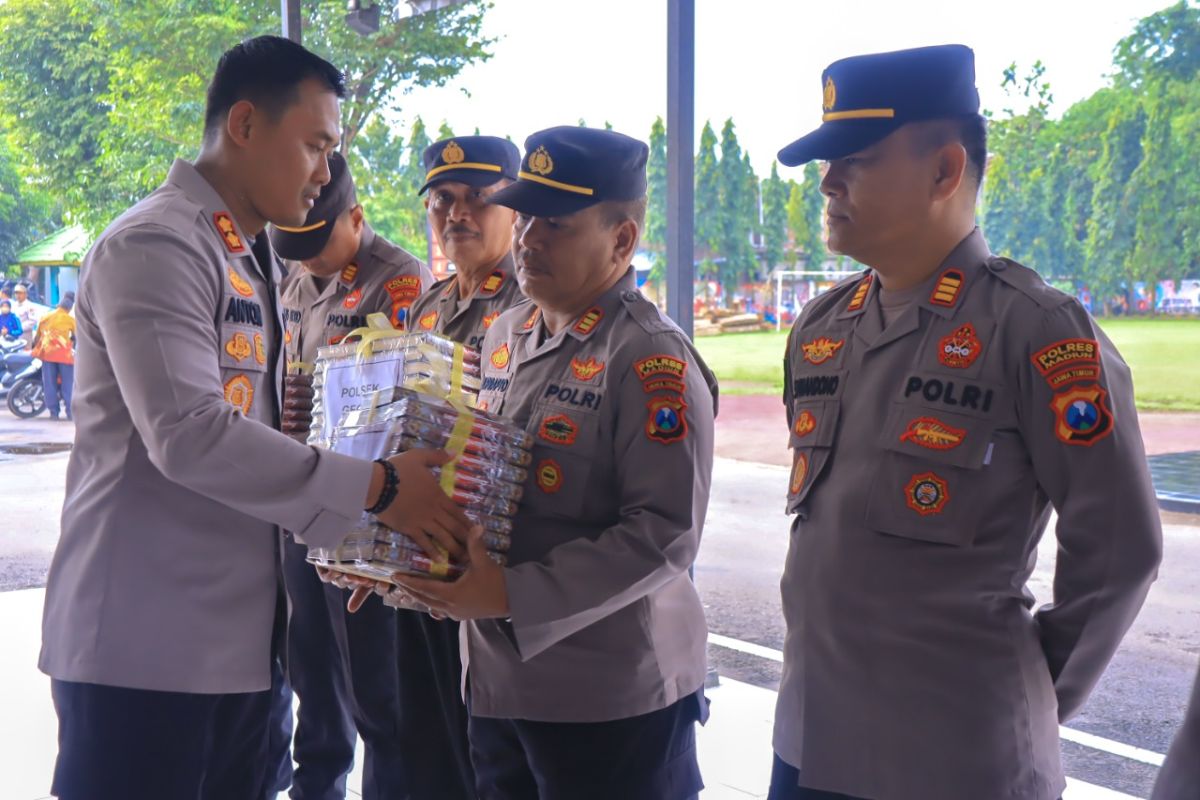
{"x":655,"y":238}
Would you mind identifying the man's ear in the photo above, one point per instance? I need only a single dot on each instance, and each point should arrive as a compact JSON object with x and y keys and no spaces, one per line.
{"x":627,"y":234}
{"x":356,"y":217}
{"x":240,"y":122}
{"x":951,"y":170}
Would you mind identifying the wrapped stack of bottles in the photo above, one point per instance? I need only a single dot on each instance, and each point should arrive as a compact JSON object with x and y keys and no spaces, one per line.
{"x":414,"y":391}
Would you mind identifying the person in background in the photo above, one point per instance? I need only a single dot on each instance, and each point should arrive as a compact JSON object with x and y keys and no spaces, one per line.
{"x":343,"y":271}
{"x":10,"y":323}
{"x":54,"y":344}
{"x":25,"y":309}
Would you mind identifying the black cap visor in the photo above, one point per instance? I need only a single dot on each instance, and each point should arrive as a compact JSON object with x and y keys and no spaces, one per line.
{"x":301,"y":246}
{"x":478,"y":178}
{"x":837,"y":139}
{"x":535,"y":200}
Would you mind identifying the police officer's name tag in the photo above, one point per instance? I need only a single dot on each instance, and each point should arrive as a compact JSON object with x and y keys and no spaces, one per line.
{"x":350,"y":387}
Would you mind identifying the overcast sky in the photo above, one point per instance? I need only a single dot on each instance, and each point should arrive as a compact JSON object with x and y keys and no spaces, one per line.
{"x":758,"y":61}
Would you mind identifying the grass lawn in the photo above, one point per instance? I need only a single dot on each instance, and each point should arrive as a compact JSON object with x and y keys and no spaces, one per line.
{"x":1164,"y":355}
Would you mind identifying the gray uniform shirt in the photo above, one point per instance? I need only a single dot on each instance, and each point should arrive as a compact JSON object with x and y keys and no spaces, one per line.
{"x":441,"y":311}
{"x":166,"y":571}
{"x":605,"y":622}
{"x":927,"y":459}
{"x":383,"y":278}
{"x":1179,"y":778}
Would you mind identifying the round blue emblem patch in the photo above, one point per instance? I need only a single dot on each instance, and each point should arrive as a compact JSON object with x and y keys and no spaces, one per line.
{"x":1082,"y":416}
{"x":666,"y":420}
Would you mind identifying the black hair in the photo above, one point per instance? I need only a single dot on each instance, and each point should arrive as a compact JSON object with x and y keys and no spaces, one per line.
{"x":267,"y":71}
{"x":969,"y":130}
{"x":617,"y":211}
{"x":973,"y":133}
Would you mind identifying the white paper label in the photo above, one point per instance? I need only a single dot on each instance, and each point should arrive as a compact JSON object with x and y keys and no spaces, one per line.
{"x":350,"y":387}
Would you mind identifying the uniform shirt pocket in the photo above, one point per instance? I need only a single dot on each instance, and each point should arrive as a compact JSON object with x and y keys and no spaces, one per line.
{"x":564,"y":451}
{"x":814,"y":428}
{"x":243,"y":348}
{"x":932,"y":465}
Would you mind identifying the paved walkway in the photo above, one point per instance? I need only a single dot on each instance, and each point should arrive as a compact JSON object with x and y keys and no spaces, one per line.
{"x":735,"y":745}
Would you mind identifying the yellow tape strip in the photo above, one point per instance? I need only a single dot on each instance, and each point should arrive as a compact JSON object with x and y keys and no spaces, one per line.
{"x":462,"y":426}
{"x":301,"y":367}
{"x":458,"y":440}
{"x":378,"y":327}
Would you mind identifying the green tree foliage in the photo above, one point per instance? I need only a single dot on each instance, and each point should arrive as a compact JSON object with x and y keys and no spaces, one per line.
{"x":26,"y":213}
{"x":806,"y":217}
{"x":655,"y":237}
{"x":708,"y":202}
{"x":1106,"y":196}
{"x":107,"y":93}
{"x":775,"y":193}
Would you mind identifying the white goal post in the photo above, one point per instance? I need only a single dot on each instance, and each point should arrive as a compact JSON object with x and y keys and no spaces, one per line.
{"x":814,"y":276}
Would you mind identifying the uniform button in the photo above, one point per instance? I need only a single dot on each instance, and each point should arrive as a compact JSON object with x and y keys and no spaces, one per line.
{"x":629,"y":295}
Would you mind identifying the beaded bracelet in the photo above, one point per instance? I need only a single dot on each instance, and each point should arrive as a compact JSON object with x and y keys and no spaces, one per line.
{"x":391,"y":485}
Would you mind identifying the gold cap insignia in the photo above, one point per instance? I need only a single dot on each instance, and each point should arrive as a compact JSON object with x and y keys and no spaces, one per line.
{"x":453,"y":154}
{"x":830,"y":94}
{"x":541,"y":162}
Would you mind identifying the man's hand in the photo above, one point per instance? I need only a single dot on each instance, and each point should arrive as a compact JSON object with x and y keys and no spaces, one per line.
{"x":421,"y":509}
{"x":479,"y":594}
{"x":297,"y":406}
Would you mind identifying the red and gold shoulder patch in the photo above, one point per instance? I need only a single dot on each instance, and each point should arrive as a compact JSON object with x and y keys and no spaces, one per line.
{"x":240,"y":284}
{"x":1081,"y":415}
{"x":352,"y":300}
{"x":860,"y":294}
{"x":238,"y":347}
{"x":428,"y":321}
{"x":948,"y":287}
{"x":533,"y":318}
{"x":1066,"y":353}
{"x":349,"y":273}
{"x":403,"y":289}
{"x":260,"y":350}
{"x":500,"y":356}
{"x":239,"y":393}
{"x":805,"y":424}
{"x":820,"y":350}
{"x":588,"y":322}
{"x":933,"y":434}
{"x":489,"y":319}
{"x":225,"y":227}
{"x":961,"y":348}
{"x":799,"y":472}
{"x":660,"y":365}
{"x":492,"y":283}
{"x":559,"y":429}
{"x":586,"y":370}
{"x":549,"y":475}
{"x":667,"y":422}
{"x":927,"y":494}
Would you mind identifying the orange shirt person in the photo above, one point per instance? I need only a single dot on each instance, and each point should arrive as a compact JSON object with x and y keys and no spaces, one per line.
{"x":54,"y":344}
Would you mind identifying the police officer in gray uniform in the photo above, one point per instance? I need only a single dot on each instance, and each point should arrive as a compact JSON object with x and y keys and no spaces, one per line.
{"x":163,"y":594}
{"x":941,"y":406}
{"x":586,"y":654}
{"x":1179,"y":778}
{"x":345,"y":272}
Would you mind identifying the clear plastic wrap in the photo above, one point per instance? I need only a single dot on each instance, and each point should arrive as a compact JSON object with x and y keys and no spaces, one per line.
{"x":485,"y":479}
